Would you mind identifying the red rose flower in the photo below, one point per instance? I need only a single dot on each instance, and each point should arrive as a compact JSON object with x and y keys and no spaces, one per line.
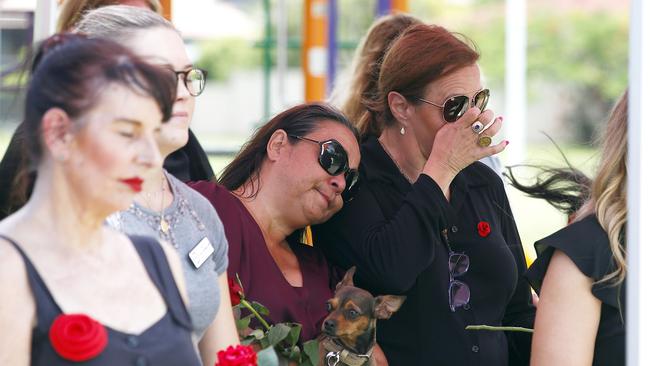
{"x":237,"y":356}
{"x":77,"y":337}
{"x":236,"y":292}
{"x":484,"y":229}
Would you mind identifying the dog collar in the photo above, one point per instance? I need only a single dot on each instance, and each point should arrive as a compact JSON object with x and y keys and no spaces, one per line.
{"x":336,"y":354}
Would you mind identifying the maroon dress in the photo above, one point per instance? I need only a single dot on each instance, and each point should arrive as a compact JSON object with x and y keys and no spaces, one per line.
{"x":261,"y":278}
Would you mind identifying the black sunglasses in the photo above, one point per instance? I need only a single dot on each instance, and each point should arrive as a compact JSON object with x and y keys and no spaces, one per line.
{"x":194,"y":80}
{"x":458,"y":290}
{"x":334,"y":160}
{"x":458,"y":263}
{"x":454,"y":107}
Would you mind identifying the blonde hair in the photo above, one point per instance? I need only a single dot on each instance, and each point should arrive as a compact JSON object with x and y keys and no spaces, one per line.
{"x":608,"y":198}
{"x":365,"y":70}
{"x":119,"y":22}
{"x":73,"y":10}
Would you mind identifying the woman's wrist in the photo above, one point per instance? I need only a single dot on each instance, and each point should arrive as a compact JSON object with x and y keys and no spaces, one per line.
{"x":441,"y":174}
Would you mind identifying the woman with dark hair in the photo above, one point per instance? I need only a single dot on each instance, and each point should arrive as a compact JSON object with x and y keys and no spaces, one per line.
{"x":294,"y":172}
{"x":166,"y":208}
{"x":72,"y":289}
{"x":429,"y":222}
{"x":187,"y":163}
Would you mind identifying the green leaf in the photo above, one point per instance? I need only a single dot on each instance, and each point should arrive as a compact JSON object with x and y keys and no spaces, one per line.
{"x":294,"y":333}
{"x":267,"y":357}
{"x":295,"y":354}
{"x":277,"y":333}
{"x":259,"y":308}
{"x":243,"y":322}
{"x":311,"y":350}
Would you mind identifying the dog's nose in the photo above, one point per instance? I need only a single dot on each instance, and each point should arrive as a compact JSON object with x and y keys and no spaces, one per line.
{"x":329,"y":326}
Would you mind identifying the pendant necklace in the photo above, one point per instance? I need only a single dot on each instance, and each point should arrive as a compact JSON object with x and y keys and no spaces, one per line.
{"x":164,"y":225}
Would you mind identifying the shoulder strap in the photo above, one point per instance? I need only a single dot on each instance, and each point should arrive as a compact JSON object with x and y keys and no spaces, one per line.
{"x":46,"y":307}
{"x":155,"y":261}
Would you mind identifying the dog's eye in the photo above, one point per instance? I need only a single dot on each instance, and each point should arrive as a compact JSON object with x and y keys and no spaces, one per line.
{"x":329,"y":307}
{"x":353,"y":313}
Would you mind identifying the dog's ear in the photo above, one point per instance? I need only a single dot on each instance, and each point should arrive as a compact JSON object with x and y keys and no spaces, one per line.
{"x":347,"y":279}
{"x":386,"y":305}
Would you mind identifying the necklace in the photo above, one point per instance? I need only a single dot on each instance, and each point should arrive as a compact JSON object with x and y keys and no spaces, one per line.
{"x":163,"y":224}
{"x":395,"y":162}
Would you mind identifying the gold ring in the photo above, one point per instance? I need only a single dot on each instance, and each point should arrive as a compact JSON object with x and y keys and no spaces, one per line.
{"x":484,"y":141}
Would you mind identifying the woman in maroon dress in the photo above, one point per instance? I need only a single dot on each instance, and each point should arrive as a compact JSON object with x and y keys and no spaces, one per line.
{"x":293,"y":173}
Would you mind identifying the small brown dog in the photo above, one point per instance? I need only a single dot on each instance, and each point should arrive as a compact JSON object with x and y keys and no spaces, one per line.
{"x":349,"y":331}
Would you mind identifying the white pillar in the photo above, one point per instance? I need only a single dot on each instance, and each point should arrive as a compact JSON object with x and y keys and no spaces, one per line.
{"x":44,"y":19}
{"x":638,"y":240}
{"x":515,"y":116}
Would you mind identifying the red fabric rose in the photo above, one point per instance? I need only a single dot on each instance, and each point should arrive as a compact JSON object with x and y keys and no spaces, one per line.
{"x":484,"y":229}
{"x":236,"y":292}
{"x":237,"y":356}
{"x":77,"y":337}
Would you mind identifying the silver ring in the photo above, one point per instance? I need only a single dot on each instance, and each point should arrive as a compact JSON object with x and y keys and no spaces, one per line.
{"x":477,"y":127}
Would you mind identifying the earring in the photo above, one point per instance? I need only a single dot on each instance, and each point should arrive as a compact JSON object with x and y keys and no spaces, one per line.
{"x":402,"y":131}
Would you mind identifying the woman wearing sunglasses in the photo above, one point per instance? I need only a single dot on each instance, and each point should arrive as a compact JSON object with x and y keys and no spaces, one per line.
{"x":430,"y":222}
{"x":296,"y":171}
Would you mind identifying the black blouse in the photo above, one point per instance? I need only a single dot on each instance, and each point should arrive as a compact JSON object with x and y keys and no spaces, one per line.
{"x":587,"y":244}
{"x":392,"y":232}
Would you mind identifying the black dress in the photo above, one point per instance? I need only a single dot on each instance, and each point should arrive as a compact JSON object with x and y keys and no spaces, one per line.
{"x":392,"y":232}
{"x":587,"y":244}
{"x":168,"y":342}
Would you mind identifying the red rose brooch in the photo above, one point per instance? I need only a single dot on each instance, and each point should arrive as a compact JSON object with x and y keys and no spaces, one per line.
{"x":237,"y":356}
{"x":77,"y":337}
{"x":483,"y":228}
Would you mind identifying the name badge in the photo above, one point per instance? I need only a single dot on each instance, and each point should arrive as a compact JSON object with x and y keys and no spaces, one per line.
{"x":201,"y":252}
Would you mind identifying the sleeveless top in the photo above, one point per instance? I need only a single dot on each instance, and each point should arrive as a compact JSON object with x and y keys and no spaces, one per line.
{"x":166,"y":342}
{"x":586,"y":243}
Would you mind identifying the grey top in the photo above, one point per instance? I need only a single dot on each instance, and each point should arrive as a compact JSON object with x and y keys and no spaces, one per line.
{"x":191,"y":218}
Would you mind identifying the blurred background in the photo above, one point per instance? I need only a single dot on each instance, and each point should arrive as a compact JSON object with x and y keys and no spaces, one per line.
{"x":575,"y":66}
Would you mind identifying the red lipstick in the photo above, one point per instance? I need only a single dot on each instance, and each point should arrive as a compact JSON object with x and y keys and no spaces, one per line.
{"x":134,"y":183}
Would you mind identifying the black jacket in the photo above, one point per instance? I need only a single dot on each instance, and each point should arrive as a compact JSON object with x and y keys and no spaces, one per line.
{"x":392,"y":232}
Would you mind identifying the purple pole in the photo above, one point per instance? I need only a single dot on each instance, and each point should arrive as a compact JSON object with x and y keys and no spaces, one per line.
{"x":332,"y":50}
{"x":383,"y":7}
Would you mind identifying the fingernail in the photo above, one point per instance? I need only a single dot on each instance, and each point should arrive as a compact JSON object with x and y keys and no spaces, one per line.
{"x":500,"y":118}
{"x":507,"y":142}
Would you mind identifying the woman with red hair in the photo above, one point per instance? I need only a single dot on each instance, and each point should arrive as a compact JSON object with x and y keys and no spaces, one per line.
{"x":426,"y":210}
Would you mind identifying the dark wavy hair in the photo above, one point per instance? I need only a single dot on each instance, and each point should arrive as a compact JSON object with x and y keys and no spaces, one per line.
{"x":70,"y":71}
{"x":565,"y":188}
{"x":299,"y":120}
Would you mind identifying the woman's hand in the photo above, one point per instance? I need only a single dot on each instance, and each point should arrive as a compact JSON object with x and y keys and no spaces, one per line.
{"x":456,"y":146}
